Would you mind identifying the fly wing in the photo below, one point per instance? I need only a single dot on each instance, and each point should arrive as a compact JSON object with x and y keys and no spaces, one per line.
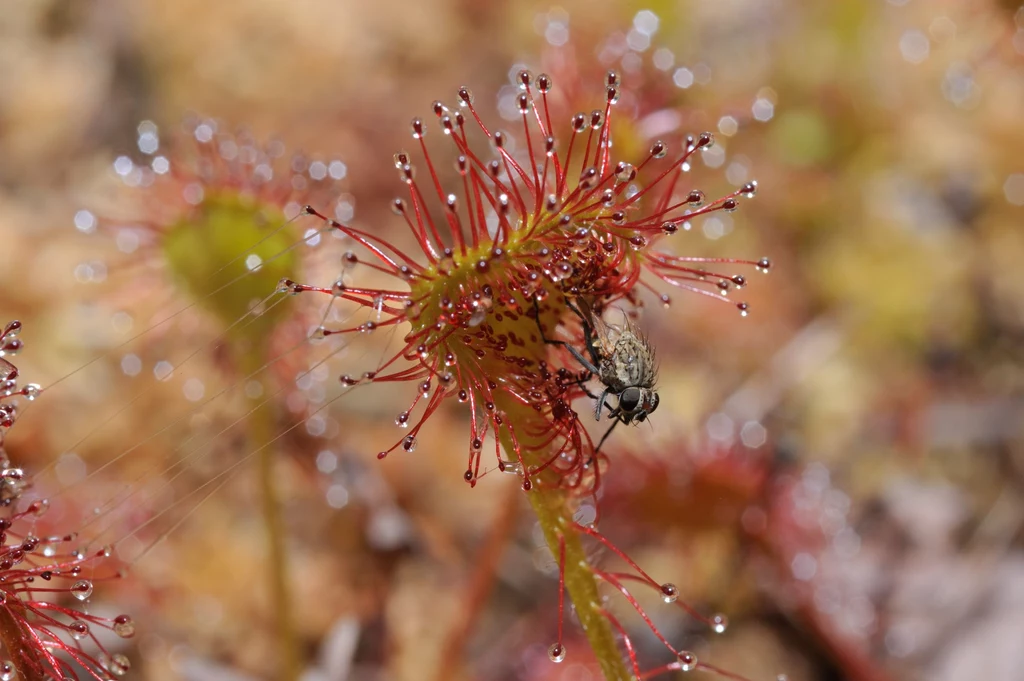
{"x":602,"y":332}
{"x":599,"y":329}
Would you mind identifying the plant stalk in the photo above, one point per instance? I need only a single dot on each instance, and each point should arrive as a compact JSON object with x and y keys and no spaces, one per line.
{"x":261,"y":435}
{"x":554,"y":514}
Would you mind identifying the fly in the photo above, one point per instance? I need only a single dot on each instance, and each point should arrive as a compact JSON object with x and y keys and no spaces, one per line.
{"x":623,"y":360}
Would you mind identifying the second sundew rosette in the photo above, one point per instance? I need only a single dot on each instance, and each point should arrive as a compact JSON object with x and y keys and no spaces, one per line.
{"x":206,"y":223}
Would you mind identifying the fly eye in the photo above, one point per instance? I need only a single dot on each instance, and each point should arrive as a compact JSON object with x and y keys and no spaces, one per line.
{"x":652,"y":404}
{"x":629,"y":400}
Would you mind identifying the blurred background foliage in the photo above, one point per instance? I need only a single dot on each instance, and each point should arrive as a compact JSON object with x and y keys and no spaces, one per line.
{"x":842,"y":472}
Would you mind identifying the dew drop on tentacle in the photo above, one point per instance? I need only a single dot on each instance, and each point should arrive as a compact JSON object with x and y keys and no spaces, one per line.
{"x":409,"y":443}
{"x":544,"y":83}
{"x":763,"y":265}
{"x":402,"y":420}
{"x":513,"y":467}
{"x":79,"y":630}
{"x":556,"y":652}
{"x":124,"y":626}
{"x":669,"y":592}
{"x":749,"y":190}
{"x":39,"y":507}
{"x":14,"y":474}
{"x":719,"y":623}
{"x":7,"y":671}
{"x":624,"y":172}
{"x":687,"y":661}
{"x":10,"y":346}
{"x":418,"y":130}
{"x":118,"y":664}
{"x":738,"y":280}
{"x":744,"y":309}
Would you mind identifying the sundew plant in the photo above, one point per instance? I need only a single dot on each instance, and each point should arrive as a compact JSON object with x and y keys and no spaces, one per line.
{"x":539,"y":224}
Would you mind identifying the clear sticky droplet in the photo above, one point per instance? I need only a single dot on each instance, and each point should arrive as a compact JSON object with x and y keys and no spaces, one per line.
{"x":124,"y":626}
{"x":669,"y":592}
{"x":513,"y":467}
{"x":719,"y":623}
{"x":409,"y":443}
{"x":687,"y":661}
{"x":79,"y":630}
{"x":7,"y":671}
{"x":82,"y":589}
{"x":119,"y":664}
{"x":556,"y":652}
{"x":39,"y":507}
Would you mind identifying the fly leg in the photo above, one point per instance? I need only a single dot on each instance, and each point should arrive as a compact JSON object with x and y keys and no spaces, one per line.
{"x":589,"y":365}
{"x":605,"y":437}
{"x":601,"y":404}
{"x":588,"y":336}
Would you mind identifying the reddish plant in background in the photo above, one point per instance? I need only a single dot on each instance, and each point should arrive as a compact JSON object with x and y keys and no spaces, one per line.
{"x":545,"y":225}
{"x":44,"y":635}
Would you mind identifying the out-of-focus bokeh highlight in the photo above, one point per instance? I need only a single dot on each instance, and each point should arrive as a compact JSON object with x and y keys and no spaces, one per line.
{"x":841,"y":472}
